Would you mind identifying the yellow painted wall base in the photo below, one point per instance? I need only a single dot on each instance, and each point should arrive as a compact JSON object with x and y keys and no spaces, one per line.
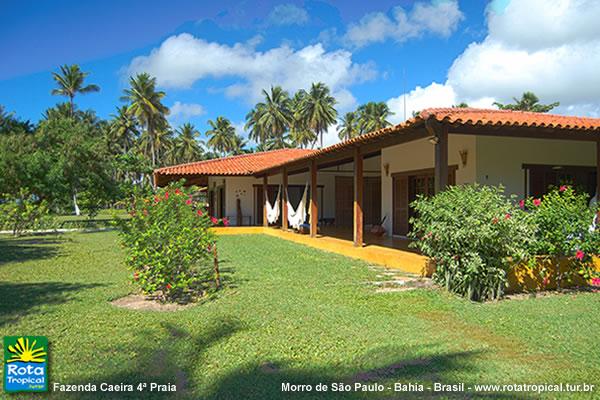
{"x":392,"y":258}
{"x":524,"y":278}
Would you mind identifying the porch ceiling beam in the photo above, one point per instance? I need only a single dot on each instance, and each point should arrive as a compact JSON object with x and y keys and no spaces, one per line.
{"x":346,"y":154}
{"x":358,"y":198}
{"x":529,"y":133}
{"x":314,"y":212}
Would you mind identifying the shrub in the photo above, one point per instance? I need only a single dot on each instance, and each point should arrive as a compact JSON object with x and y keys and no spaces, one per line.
{"x":563,"y":229}
{"x":24,"y":212}
{"x":169,"y":245}
{"x":473,"y":234}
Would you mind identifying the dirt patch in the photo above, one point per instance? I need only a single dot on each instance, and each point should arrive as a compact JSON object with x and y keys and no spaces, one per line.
{"x":140,"y":302}
{"x":551,"y":293}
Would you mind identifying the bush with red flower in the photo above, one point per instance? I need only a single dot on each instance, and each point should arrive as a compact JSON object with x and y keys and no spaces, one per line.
{"x":564,"y":229}
{"x":168,"y":242}
{"x":474,"y":234}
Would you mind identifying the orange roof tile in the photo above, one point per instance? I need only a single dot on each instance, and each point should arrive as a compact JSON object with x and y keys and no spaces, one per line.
{"x":486,"y":117}
{"x":244,"y":164}
{"x":467,"y":117}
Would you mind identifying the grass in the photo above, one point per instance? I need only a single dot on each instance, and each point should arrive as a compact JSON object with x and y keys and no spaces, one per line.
{"x":290,"y":314}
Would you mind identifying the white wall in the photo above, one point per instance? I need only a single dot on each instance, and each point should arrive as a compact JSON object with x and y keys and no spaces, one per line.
{"x":419,"y":155}
{"x":243,"y":187}
{"x":500,"y":160}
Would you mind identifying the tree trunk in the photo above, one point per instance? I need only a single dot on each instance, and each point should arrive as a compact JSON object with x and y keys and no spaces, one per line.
{"x":75,"y":206}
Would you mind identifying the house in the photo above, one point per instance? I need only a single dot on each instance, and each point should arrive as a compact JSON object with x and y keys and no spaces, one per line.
{"x":358,"y":182}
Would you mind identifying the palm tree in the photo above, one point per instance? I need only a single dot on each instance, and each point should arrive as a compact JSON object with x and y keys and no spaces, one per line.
{"x":318,"y":109}
{"x":348,"y":127}
{"x":123,"y":130}
{"x":275,"y":115}
{"x":238,"y":145}
{"x":300,"y":134}
{"x":256,"y":130}
{"x":222,"y":135}
{"x":146,"y":106}
{"x":373,"y":116}
{"x":70,"y":81}
{"x":528,"y":102}
{"x":187,"y":146}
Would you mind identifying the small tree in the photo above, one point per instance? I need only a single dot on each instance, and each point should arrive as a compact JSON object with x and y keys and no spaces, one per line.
{"x":564,"y":229}
{"x":24,"y":212}
{"x":169,"y":245}
{"x":473,"y":234}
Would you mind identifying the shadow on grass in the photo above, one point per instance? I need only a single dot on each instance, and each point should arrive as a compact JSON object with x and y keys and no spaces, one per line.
{"x":266,"y":381}
{"x":39,"y":247}
{"x":22,"y":299}
{"x":171,"y":360}
{"x":180,"y":356}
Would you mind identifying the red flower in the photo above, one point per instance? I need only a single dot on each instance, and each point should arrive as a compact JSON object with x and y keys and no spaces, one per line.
{"x":537,"y":202}
{"x":169,"y":286}
{"x":495,"y":220}
{"x":225,"y":221}
{"x":579,"y":255}
{"x":595,"y":281}
{"x":178,"y":192}
{"x":136,"y":276}
{"x":522,"y":204}
{"x":166,"y":195}
{"x":199,"y":212}
{"x":507,"y":216}
{"x":563,"y":188}
{"x":156,"y":199}
{"x":214,"y":220}
{"x":188,"y":202}
{"x":546,"y":281}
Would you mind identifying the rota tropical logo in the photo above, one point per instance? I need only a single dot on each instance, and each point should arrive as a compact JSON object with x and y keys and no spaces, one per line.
{"x":25,"y":363}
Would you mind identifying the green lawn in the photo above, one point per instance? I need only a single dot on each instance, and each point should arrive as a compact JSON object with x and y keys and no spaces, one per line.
{"x":290,"y":314}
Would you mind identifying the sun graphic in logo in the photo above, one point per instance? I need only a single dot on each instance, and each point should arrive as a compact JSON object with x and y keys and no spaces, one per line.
{"x":26,"y":352}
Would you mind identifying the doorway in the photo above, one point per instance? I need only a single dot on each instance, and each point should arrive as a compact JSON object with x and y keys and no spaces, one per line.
{"x":406,"y":187}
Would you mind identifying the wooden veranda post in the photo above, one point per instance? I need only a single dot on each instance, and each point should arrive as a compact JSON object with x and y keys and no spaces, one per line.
{"x":441,"y":158}
{"x":265,"y":188}
{"x":358,"y":197}
{"x":314,"y":212}
{"x":284,"y":209}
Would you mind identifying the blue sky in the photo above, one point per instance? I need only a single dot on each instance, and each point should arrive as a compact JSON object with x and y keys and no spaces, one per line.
{"x":212,"y":58}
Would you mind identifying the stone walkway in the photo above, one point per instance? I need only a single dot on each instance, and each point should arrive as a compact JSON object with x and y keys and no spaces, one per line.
{"x":393,"y":280}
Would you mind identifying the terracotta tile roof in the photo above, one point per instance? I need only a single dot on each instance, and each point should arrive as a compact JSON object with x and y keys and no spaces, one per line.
{"x":244,"y":164}
{"x":466,"y":117}
{"x":485,"y":117}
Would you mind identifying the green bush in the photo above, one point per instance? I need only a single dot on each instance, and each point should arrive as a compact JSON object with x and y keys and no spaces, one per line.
{"x":563,"y":229}
{"x":24,"y":212}
{"x":473,"y":234}
{"x":169,"y":245}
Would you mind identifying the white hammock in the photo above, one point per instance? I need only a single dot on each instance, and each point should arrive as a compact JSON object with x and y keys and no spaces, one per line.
{"x":298,"y":216}
{"x":273,"y":211}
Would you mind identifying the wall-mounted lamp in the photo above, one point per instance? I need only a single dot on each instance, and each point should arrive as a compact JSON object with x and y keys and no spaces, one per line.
{"x":433,"y":139}
{"x":463,"y":156}
{"x":386,"y":168}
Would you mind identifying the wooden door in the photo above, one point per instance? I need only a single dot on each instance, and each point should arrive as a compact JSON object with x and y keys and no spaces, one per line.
{"x":344,"y":201}
{"x":400,"y":205}
{"x":372,"y":200}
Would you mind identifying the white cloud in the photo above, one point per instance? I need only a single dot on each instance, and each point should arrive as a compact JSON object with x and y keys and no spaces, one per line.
{"x":182,"y":111}
{"x":539,"y":24}
{"x":551,"y":48}
{"x":182,"y":60}
{"x":434,"y":95}
{"x":287,"y":14}
{"x":438,"y":18}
